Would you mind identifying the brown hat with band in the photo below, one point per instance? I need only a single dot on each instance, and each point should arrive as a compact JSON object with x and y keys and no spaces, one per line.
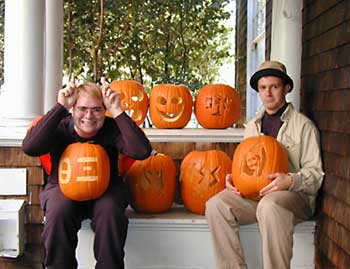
{"x":271,"y":68}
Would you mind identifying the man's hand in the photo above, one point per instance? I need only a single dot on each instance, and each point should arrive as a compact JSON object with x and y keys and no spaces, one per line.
{"x":230,"y":186}
{"x":68,"y":95}
{"x":279,"y":182}
{"x":111,"y":99}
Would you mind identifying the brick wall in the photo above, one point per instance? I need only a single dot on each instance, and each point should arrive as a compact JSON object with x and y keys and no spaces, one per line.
{"x":325,"y":97}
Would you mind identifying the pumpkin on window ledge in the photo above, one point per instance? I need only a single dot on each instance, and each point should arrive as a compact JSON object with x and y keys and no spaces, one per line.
{"x":133,"y":99}
{"x":152,"y":183}
{"x":170,"y":106}
{"x":202,"y":175}
{"x":217,"y":106}
{"x":83,"y":171}
{"x":254,"y":159}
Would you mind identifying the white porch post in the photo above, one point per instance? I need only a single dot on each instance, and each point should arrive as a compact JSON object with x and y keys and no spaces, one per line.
{"x":21,"y":98}
{"x":286,"y":43}
{"x":54,"y":52}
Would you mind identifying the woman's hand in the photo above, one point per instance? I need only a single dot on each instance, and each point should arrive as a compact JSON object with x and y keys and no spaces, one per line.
{"x":230,"y":186}
{"x":68,"y":95}
{"x":111,"y":99}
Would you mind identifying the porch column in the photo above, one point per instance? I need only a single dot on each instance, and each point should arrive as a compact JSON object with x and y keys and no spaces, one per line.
{"x":22,"y":94}
{"x":286,"y":43}
{"x":54,"y":52}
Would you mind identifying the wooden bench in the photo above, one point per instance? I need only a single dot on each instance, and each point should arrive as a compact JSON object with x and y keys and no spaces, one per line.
{"x":181,"y":240}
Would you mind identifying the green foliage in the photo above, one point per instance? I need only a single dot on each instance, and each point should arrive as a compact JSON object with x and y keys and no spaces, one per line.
{"x":152,"y":41}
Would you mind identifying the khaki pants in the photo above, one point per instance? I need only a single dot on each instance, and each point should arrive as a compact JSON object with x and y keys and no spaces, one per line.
{"x":276,"y":214}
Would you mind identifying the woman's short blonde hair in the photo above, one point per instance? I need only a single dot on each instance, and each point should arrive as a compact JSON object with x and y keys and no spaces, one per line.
{"x":92,"y":89}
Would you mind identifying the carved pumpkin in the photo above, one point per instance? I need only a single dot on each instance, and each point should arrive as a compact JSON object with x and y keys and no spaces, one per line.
{"x":217,"y":106}
{"x":170,"y":106}
{"x":45,"y":159}
{"x":133,"y":98}
{"x":202,"y":175}
{"x":254,"y":159}
{"x":83,"y":171}
{"x":152,"y":184}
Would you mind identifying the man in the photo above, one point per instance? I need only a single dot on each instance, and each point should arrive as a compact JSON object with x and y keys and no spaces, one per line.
{"x":53,"y":133}
{"x":289,"y":198}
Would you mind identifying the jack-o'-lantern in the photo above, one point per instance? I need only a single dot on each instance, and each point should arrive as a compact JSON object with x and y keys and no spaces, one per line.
{"x":170,"y":106}
{"x":152,"y":184}
{"x":253,"y":160}
{"x":133,"y":98}
{"x":217,"y":106}
{"x":45,"y":159}
{"x":84,"y":171}
{"x":202,"y":175}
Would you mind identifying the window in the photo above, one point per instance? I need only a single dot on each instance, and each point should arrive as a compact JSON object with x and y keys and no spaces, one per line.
{"x":255,"y":49}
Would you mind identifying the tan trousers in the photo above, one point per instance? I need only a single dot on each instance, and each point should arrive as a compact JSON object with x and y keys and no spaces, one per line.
{"x":276,"y":214}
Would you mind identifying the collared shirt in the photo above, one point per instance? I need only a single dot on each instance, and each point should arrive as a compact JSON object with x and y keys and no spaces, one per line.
{"x":300,"y":137}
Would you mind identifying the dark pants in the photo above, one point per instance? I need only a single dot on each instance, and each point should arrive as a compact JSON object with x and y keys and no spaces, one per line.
{"x":63,"y":221}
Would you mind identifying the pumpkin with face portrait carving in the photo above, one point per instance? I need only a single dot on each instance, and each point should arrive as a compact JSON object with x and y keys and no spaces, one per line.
{"x":217,"y":106}
{"x":83,"y":171}
{"x":254,"y":159}
{"x":170,"y":106}
{"x":202,"y":175}
{"x":133,"y":99}
{"x":152,"y":184}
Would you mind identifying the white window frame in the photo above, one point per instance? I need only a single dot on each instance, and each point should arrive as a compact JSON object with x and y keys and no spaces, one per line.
{"x":255,"y":50}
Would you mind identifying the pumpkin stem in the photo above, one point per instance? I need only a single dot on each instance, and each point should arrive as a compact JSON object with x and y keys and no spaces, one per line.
{"x":154,"y":152}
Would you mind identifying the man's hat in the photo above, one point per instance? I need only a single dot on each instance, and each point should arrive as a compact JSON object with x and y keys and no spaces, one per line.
{"x":270,"y":68}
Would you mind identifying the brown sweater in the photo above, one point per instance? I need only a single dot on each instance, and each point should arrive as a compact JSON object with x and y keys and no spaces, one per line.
{"x":55,"y":131}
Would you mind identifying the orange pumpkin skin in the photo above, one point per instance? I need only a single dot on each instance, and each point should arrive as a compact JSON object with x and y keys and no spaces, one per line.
{"x":170,"y":106}
{"x":202,"y":175}
{"x":84,"y":171}
{"x":152,"y":184}
{"x":217,"y":106}
{"x":254,"y":159}
{"x":133,"y":99}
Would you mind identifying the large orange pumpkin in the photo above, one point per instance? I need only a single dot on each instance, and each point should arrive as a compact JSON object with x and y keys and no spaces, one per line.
{"x":84,"y":171}
{"x":254,"y":159}
{"x":202,"y":175}
{"x":217,"y":106}
{"x":133,"y":98}
{"x":170,"y":106}
{"x":152,"y":184}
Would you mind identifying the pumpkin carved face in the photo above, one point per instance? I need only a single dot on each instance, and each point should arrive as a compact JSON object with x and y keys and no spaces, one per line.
{"x":170,"y":106}
{"x":83,"y":171}
{"x":133,"y":98}
{"x":202,"y":175}
{"x":217,"y":106}
{"x":254,"y":159}
{"x":152,"y":184}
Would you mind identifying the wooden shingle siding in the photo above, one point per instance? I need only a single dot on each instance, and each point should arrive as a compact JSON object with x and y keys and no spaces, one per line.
{"x":13,"y":157}
{"x":325,"y":97}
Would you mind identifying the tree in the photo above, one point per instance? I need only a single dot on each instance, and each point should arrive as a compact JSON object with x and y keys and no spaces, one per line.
{"x":152,"y":41}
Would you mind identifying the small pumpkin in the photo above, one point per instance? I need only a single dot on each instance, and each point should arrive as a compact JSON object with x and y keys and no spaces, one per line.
{"x":217,"y":106}
{"x":202,"y":175}
{"x":152,"y":184}
{"x":84,"y":171}
{"x":133,"y":98}
{"x":170,"y":106}
{"x":254,"y":159}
